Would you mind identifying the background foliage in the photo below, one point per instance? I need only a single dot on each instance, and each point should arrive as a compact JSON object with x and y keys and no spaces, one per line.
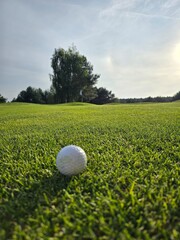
{"x":72,"y":73}
{"x":73,"y":80}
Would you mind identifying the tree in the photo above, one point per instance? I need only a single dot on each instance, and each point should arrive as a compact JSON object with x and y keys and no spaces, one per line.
{"x":48,"y":96}
{"x":2,"y":99}
{"x":21,"y":97}
{"x":103,"y":96}
{"x":176,"y":96}
{"x":72,"y":73}
{"x":88,"y":94}
{"x":26,"y":95}
{"x":33,"y":95}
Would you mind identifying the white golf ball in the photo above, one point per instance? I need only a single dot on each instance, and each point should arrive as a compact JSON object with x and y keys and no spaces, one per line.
{"x":71,"y":160}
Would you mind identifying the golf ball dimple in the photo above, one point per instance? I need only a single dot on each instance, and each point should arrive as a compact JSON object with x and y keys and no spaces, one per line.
{"x":71,"y":160}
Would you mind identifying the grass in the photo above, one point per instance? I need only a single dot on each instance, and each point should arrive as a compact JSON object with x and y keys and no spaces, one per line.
{"x":130,"y":189}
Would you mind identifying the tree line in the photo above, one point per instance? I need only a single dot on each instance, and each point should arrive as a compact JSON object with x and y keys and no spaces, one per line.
{"x":151,"y":99}
{"x":73,"y":80}
{"x":37,"y":95}
{"x":95,"y":95}
{"x":99,"y":96}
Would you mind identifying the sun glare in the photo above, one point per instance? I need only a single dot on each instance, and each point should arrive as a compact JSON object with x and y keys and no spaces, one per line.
{"x":176,"y":53}
{"x":109,"y":60}
{"x":109,"y":63}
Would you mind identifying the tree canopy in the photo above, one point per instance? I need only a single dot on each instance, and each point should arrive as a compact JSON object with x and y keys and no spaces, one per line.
{"x":2,"y":99}
{"x":72,"y":74}
{"x":73,"y":80}
{"x":176,"y":96}
{"x":103,"y":96}
{"x":35,"y":95}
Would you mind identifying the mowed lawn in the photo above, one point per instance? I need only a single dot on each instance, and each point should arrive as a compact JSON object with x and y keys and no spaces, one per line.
{"x":130,"y":189}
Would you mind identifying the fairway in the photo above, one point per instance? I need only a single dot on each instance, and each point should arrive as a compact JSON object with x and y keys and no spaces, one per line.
{"x":130,"y":189}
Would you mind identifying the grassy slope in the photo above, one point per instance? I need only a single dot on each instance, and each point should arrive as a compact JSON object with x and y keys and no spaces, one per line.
{"x":129,"y":190}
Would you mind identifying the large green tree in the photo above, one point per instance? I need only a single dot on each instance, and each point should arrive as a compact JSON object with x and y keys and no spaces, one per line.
{"x":72,"y":73}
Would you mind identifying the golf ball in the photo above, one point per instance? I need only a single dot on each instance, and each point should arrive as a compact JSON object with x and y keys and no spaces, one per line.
{"x":71,"y":160}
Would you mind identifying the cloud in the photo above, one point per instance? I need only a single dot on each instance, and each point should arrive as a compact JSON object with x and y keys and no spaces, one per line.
{"x":136,"y":71}
{"x":143,"y":8}
{"x":133,"y":44}
{"x":138,"y":41}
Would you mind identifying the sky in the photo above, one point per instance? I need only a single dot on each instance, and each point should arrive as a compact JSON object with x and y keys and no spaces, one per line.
{"x":133,"y":44}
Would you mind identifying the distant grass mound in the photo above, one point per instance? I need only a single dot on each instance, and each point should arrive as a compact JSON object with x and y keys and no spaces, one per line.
{"x":75,"y":104}
{"x":130,"y":189}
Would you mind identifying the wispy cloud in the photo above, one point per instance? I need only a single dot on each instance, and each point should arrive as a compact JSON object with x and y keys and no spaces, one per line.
{"x":169,"y":9}
{"x":133,"y":44}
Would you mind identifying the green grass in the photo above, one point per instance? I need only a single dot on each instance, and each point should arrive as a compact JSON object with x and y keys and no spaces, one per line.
{"x":130,"y":189}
